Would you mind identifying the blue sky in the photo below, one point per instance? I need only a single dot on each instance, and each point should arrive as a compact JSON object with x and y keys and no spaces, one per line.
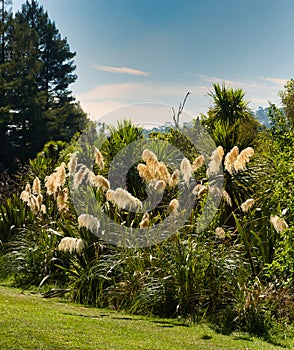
{"x":132,"y":51}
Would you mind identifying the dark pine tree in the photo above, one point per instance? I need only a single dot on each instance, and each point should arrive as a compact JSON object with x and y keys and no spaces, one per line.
{"x":5,"y":53}
{"x":36,"y":69}
{"x":57,"y":71}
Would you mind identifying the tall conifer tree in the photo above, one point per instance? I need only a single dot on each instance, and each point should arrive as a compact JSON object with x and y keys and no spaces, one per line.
{"x":36,"y":69}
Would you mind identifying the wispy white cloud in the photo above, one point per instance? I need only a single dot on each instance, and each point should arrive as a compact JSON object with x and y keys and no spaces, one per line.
{"x":123,"y":70}
{"x":97,"y":109}
{"x":146,"y":114}
{"x":134,"y":92}
{"x":258,"y":92}
{"x":103,"y":99}
{"x":279,"y":81}
{"x":234,"y":83}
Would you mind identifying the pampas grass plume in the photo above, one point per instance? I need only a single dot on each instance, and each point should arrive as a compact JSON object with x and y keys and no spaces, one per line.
{"x":61,"y":200}
{"x":220,"y":232}
{"x":173,"y":206}
{"x":186,"y":170}
{"x":40,"y":199}
{"x":51,"y":184}
{"x":230,"y":159}
{"x":36,"y":186}
{"x":79,"y":246}
{"x":174,"y":179}
{"x":243,"y":158}
{"x":247,"y":204}
{"x":199,"y":190}
{"x":153,"y":167}
{"x":98,"y":158}
{"x":163,"y":172}
{"x":144,"y":172}
{"x":34,"y":204}
{"x":147,"y":154}
{"x":123,"y":199}
{"x":279,"y":224}
{"x":28,"y":188}
{"x":80,"y":176}
{"x":90,"y":222}
{"x":25,"y":196}
{"x":160,"y":186}
{"x":71,"y":245}
{"x":43,"y":209}
{"x":198,"y":163}
{"x":61,"y":175}
{"x":227,"y":197}
{"x":99,"y":181}
{"x":145,"y":222}
{"x":72,"y":164}
{"x":215,"y":161}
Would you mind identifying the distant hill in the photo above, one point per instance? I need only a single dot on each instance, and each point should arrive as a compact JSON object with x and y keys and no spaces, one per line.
{"x":262,"y":116}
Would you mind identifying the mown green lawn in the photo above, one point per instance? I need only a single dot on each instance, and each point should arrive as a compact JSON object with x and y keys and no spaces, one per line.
{"x":32,"y":322}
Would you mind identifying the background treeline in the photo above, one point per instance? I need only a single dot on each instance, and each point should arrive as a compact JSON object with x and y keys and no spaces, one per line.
{"x":36,"y":69}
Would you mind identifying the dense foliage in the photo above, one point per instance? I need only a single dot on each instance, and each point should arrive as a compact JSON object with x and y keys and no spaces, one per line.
{"x":237,"y":272}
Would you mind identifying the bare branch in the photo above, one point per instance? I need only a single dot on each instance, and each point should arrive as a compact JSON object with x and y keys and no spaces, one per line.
{"x":176,"y":117}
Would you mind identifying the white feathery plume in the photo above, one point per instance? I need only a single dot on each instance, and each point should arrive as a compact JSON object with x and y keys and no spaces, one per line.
{"x":247,"y":204}
{"x":98,"y":181}
{"x":51,"y":184}
{"x":144,"y":172}
{"x":25,"y":196}
{"x":220,"y":232}
{"x":98,"y":158}
{"x":40,"y":199}
{"x":199,"y":190}
{"x":173,"y":207}
{"x":186,"y":170}
{"x":90,"y":222}
{"x":61,"y":174}
{"x":215,"y":161}
{"x":147,"y":154}
{"x":243,"y":158}
{"x":153,"y":167}
{"x":160,"y":186}
{"x":62,"y":199}
{"x":72,"y":164}
{"x":198,"y":163}
{"x":71,"y":245}
{"x":79,"y":246}
{"x":34,"y":204}
{"x":145,"y":222}
{"x":56,"y":180}
{"x":110,"y":194}
{"x":36,"y":186}
{"x":279,"y":224}
{"x":163,"y":172}
{"x":28,"y":188}
{"x":230,"y":159}
{"x":43,"y":209}
{"x":227,"y":197}
{"x":123,"y":199}
{"x":79,"y":176}
{"x":174,"y":179}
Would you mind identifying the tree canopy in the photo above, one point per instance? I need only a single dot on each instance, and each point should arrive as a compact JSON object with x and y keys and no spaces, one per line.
{"x":36,"y":70}
{"x":230,"y":121}
{"x":287,"y":97}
